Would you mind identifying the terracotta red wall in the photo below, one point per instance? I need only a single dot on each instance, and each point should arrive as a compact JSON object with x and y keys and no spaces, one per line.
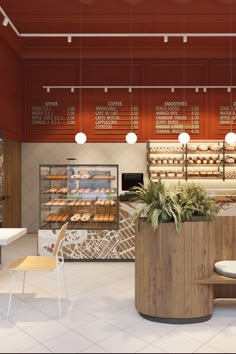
{"x":11,"y":93}
{"x":118,"y":72}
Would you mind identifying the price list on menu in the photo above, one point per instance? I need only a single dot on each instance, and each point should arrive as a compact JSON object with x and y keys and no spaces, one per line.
{"x":227,"y":117}
{"x":173,"y":117}
{"x":51,"y":113}
{"x":116,"y":117}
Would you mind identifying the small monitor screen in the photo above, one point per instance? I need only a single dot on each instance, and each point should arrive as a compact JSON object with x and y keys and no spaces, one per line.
{"x":130,"y":180}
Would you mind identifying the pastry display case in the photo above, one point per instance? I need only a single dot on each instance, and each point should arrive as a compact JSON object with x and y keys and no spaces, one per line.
{"x":197,"y":160}
{"x":84,"y":195}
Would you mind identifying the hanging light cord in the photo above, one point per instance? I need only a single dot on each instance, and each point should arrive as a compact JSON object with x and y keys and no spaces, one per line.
{"x":231,"y":67}
{"x":131,"y":71}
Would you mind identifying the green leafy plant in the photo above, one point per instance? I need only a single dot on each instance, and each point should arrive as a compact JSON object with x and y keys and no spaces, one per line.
{"x":158,"y":204}
{"x":194,"y":201}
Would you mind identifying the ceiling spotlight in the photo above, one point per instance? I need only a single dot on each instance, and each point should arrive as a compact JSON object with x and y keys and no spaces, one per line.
{"x":196,"y":89}
{"x":5,"y":21}
{"x":230,"y":138}
{"x":80,"y":138}
{"x":48,"y":90}
{"x":229,"y":89}
{"x":130,"y":89}
{"x":172,"y":89}
{"x":204,"y":89}
{"x":184,"y":138}
{"x":131,"y":138}
{"x":69,"y":39}
{"x":165,"y":38}
{"x":185,"y":38}
{"x":105,"y":89}
{"x":72,"y":90}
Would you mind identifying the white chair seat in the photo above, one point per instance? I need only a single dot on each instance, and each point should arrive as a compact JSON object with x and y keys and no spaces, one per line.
{"x":226,"y":268}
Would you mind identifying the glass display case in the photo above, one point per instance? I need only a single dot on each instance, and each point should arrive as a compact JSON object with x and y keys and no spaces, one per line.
{"x":84,"y":195}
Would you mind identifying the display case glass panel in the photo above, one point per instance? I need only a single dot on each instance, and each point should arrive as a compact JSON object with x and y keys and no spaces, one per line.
{"x":84,"y":195}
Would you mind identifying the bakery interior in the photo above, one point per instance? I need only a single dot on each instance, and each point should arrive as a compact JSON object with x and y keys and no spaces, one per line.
{"x":96,"y":97}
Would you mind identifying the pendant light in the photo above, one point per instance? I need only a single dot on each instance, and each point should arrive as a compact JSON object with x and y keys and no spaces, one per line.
{"x":131,"y":137}
{"x":80,"y":137}
{"x":184,"y":137}
{"x":230,"y":138}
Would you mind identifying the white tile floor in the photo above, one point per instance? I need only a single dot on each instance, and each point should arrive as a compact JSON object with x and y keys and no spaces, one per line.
{"x":99,"y":316}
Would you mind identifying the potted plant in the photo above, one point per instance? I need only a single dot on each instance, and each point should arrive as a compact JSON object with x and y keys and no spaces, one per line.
{"x":158,"y":205}
{"x":172,"y":252}
{"x":195,"y":203}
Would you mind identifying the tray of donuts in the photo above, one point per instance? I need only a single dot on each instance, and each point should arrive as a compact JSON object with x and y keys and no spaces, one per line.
{"x":57,"y":190}
{"x":204,"y":174}
{"x":200,"y":160}
{"x":166,"y":161}
{"x":57,"y":218}
{"x":166,"y":150}
{"x":205,"y":148}
{"x":167,"y":174}
{"x":49,"y":177}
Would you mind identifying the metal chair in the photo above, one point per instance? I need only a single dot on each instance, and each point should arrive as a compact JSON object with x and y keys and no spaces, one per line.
{"x":42,"y":263}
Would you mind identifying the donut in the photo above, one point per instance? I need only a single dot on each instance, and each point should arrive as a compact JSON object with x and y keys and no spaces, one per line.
{"x":85,"y":217}
{"x":202,"y":147}
{"x":75,"y":176}
{"x":75,"y":217}
{"x":85,"y":176}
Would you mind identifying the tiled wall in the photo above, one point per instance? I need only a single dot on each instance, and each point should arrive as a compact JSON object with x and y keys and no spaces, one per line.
{"x":130,"y":158}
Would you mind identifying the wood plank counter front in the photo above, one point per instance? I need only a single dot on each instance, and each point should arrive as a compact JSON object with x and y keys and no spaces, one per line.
{"x":174,"y":273}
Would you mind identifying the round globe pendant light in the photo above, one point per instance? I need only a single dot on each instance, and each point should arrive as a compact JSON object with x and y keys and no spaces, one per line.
{"x":80,"y":138}
{"x":131,"y":138}
{"x":184,"y":138}
{"x":230,"y":138}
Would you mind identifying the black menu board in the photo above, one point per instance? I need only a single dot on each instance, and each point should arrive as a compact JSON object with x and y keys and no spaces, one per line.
{"x":52,"y":113}
{"x":173,"y":117}
{"x":227,"y":117}
{"x":116,"y":116}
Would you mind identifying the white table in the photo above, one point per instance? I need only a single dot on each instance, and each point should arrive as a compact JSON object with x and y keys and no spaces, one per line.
{"x":8,"y":235}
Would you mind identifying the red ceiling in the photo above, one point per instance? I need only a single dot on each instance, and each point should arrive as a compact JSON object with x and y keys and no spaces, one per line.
{"x":112,"y":16}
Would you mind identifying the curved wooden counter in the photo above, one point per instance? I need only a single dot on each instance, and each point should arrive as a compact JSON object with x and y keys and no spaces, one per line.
{"x":168,"y":267}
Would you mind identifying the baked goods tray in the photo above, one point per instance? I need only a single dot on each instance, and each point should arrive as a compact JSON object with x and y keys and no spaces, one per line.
{"x":166,"y":164}
{"x":157,"y":179}
{"x":205,"y":164}
{"x":217,"y":152}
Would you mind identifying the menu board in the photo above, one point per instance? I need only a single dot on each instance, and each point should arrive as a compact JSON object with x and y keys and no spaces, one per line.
{"x":227,"y":117}
{"x":116,"y":117}
{"x":52,"y":113}
{"x":173,"y":117}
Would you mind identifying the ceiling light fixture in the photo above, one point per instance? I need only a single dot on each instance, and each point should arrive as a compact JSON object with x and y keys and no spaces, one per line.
{"x":72,"y":90}
{"x":185,"y":38}
{"x":5,"y":21}
{"x":80,"y":137}
{"x":105,"y":89}
{"x":196,"y":89}
{"x":172,"y":89}
{"x":165,"y":38}
{"x":131,"y":137}
{"x":230,"y":137}
{"x":69,"y":39}
{"x":204,"y":89}
{"x":184,"y":138}
{"x":48,"y":90}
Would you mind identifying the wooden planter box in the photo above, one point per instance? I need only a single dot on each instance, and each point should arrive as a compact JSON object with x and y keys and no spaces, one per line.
{"x":167,"y":265}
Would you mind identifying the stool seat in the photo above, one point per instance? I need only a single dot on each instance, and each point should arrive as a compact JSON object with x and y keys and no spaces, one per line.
{"x":226,"y":268}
